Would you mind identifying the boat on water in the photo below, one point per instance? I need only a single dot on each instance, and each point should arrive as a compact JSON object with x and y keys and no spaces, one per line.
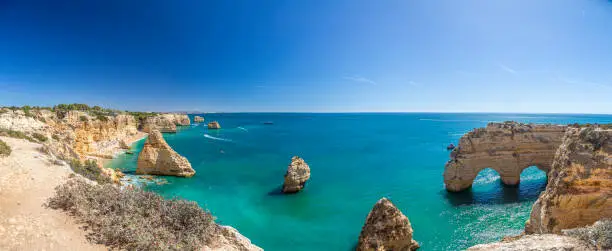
{"x":268,"y":123}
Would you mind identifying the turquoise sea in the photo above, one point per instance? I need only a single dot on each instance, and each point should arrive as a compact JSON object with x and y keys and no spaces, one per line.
{"x":355,"y":159}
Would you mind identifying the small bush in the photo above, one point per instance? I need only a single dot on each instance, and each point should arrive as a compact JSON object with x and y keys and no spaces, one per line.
{"x":83,"y":118}
{"x":15,"y":134}
{"x":133,"y":219}
{"x":89,"y":169}
{"x":55,"y":137}
{"x":102,"y":118}
{"x":40,"y":137}
{"x":5,"y":150}
{"x":599,"y":234}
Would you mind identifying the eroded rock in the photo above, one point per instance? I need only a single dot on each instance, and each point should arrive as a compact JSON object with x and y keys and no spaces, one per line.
{"x":507,"y":147}
{"x":158,"y":158}
{"x":579,"y":183}
{"x":296,"y":176}
{"x":214,"y":125}
{"x":198,"y":119}
{"x":386,"y":228}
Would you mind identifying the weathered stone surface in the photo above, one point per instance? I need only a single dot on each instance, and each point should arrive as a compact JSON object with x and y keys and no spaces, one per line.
{"x":198,"y":119}
{"x":579,"y":183}
{"x":507,"y":147}
{"x":386,"y":228}
{"x":214,"y":125}
{"x":162,"y":123}
{"x":229,"y":239}
{"x":544,"y":242}
{"x":158,"y":158}
{"x":297,"y":174}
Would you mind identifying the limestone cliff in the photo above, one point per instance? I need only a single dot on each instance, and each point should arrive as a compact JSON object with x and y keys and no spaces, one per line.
{"x":229,"y":239}
{"x":386,"y":228}
{"x":544,"y":242}
{"x":165,"y":122}
{"x":296,"y":176}
{"x":507,"y":147}
{"x":198,"y":119}
{"x":579,"y":183}
{"x":158,"y":158}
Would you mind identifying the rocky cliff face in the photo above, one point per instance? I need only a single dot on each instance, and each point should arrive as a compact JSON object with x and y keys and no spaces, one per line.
{"x":579,"y":183}
{"x":386,"y":228}
{"x":544,"y":242}
{"x":166,"y":122}
{"x":198,"y":119}
{"x":297,"y":174}
{"x":506,"y":147}
{"x":158,"y":158}
{"x":230,"y":239}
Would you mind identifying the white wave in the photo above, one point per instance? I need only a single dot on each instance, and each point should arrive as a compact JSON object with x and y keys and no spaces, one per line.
{"x":242,"y":128}
{"x":458,"y":120}
{"x":215,"y":138}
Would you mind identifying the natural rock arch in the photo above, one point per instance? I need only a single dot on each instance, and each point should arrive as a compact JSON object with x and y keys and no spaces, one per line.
{"x":507,"y":148}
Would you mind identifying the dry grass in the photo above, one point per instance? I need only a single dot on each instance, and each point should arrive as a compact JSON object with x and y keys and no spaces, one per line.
{"x":89,"y":169}
{"x":599,"y":235}
{"x":5,"y":150}
{"x":133,"y":219}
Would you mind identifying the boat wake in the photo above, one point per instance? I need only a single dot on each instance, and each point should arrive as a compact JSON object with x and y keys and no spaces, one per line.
{"x":215,"y":138}
{"x":242,"y":128}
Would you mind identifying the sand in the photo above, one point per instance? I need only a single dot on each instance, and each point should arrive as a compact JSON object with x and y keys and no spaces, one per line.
{"x":27,"y":179}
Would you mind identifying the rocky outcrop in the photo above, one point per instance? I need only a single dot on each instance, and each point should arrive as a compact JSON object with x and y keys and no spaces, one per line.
{"x":181,"y":119}
{"x":214,"y":125}
{"x":297,"y":174}
{"x":544,"y":242}
{"x":386,"y":228}
{"x":579,"y":183}
{"x":159,"y":123}
{"x":507,"y":147}
{"x":198,"y":119}
{"x":158,"y":158}
{"x":229,"y":239}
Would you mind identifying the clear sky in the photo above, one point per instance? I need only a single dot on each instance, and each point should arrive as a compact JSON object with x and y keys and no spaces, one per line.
{"x":310,"y":55}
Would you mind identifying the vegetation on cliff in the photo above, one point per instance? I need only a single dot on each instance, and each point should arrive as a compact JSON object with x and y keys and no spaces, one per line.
{"x":133,"y":219}
{"x":89,"y":169}
{"x":5,"y":150}
{"x":598,"y":235}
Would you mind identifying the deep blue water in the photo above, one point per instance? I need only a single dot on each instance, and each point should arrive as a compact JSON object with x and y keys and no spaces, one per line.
{"x":355,"y":159}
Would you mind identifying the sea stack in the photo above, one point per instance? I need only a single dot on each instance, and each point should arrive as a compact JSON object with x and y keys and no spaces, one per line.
{"x":198,"y":119}
{"x":214,"y":125}
{"x":386,"y":228}
{"x":158,"y":158}
{"x":297,"y":174}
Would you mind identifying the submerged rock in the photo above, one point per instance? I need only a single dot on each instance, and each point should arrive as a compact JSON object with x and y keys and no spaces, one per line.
{"x":198,"y":119}
{"x":297,"y":174}
{"x":386,"y":228}
{"x":158,"y":158}
{"x":214,"y":125}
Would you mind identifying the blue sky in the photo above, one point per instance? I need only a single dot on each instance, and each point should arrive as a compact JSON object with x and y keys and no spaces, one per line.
{"x":310,"y":56}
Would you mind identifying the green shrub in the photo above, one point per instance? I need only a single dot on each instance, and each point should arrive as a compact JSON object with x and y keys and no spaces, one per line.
{"x":15,"y":134}
{"x":83,"y":118}
{"x":102,"y":118}
{"x":5,"y":150}
{"x":39,"y":137}
{"x":89,"y":169}
{"x":55,"y":137}
{"x":132,"y":219}
{"x":599,"y":234}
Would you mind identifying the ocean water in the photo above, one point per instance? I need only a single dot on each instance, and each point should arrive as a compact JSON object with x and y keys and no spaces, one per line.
{"x":355,"y":159}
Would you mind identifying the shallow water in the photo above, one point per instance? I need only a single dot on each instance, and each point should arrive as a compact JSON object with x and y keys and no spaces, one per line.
{"x":355,"y":159}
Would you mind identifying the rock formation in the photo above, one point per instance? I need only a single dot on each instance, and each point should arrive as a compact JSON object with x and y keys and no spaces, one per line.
{"x":297,"y":174}
{"x":386,"y":228}
{"x":507,"y":147}
{"x":579,"y":183}
{"x":198,"y":119}
{"x":159,"y":123}
{"x":229,"y":239}
{"x":535,"y":243}
{"x":214,"y":125}
{"x":158,"y":158}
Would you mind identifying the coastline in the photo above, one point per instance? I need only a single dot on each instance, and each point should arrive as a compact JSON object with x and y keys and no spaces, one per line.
{"x":104,"y":162}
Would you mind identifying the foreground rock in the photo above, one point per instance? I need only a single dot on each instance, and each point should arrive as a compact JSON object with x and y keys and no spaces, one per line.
{"x":535,"y":242}
{"x":297,"y":174}
{"x":579,"y":183}
{"x":386,"y":228}
{"x":214,"y":125}
{"x":198,"y":119}
{"x":230,"y":239}
{"x":507,"y":147}
{"x":158,"y":158}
